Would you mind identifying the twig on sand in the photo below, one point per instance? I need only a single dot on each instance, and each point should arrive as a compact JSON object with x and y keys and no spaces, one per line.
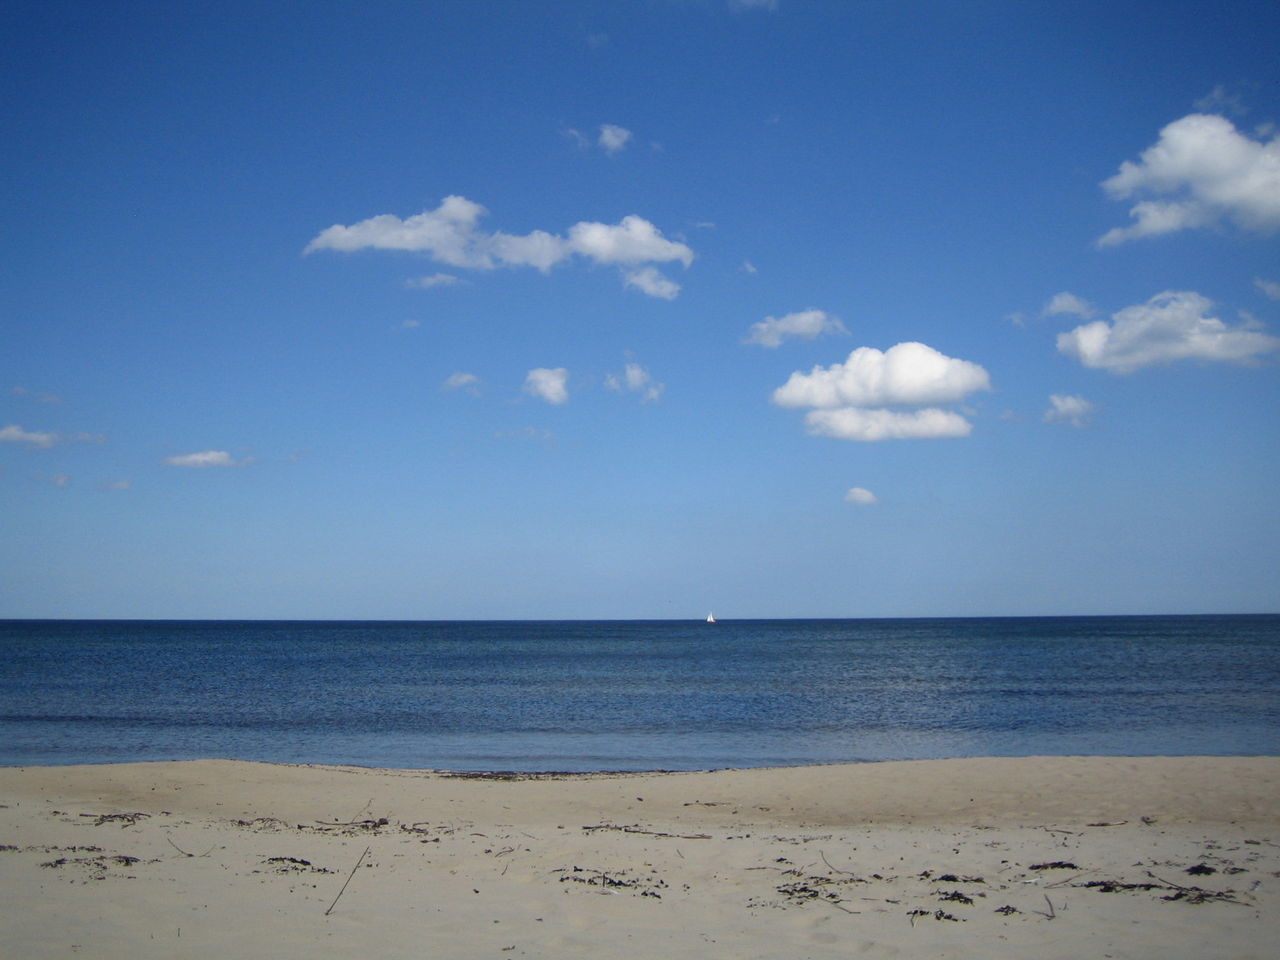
{"x":349,"y":876}
{"x":183,"y":852}
{"x":651,"y":833}
{"x":834,"y":869}
{"x":1052,"y":914}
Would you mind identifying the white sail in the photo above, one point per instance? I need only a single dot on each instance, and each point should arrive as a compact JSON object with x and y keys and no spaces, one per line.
{"x":711,"y":618}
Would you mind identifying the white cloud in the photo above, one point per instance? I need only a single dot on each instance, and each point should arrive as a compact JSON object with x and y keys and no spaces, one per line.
{"x":908,"y":374}
{"x":1170,"y":326}
{"x":60,"y":480}
{"x":447,"y":233}
{"x":1210,"y":172}
{"x":435,"y":280}
{"x":461,"y":379}
{"x":29,"y":438}
{"x":861,"y":496}
{"x":118,"y":485}
{"x":804,"y":325}
{"x":636,"y":379}
{"x":1067,"y":408}
{"x":613,"y":138}
{"x":205,"y":458}
{"x":450,"y":235}
{"x":631,"y":242}
{"x":1269,"y":288}
{"x":1068,"y":303}
{"x":548,"y":384}
{"x":853,"y":399}
{"x":869,"y":426}
{"x":410,"y":324}
{"x":749,"y":267}
{"x":651,"y":280}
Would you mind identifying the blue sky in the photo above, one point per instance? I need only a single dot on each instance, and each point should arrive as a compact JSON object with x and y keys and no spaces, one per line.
{"x":639,"y":309}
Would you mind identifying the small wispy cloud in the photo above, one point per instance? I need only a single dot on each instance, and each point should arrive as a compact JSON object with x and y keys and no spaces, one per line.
{"x":1221,"y":100}
{"x":434,"y":280}
{"x":652,"y":281}
{"x":525,"y":433}
{"x":861,"y":496}
{"x":1068,"y":303}
{"x":549,"y":384}
{"x":636,"y":379}
{"x":613,"y":138}
{"x":60,"y":480}
{"x":33,"y":395}
{"x":28,"y":438}
{"x":1269,"y":288}
{"x":120,"y":484}
{"x":1068,"y":408}
{"x":461,"y":380}
{"x":203,"y":459}
{"x":804,"y":325}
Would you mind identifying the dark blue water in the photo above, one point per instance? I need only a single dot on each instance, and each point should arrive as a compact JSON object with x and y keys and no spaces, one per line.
{"x":636,"y":694}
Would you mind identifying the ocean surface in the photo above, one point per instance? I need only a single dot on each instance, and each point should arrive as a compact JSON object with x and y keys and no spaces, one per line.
{"x":636,"y":695}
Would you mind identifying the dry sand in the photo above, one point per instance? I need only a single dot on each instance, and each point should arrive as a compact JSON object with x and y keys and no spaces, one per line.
{"x":1038,"y":857}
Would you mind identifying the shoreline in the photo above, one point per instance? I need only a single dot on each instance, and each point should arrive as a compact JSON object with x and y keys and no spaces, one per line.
{"x":999,"y":857}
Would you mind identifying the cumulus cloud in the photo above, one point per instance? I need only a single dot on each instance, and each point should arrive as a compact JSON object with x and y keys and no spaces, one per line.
{"x":861,"y":399}
{"x":613,"y":138}
{"x":1208,"y":171}
{"x":652,"y":281}
{"x":1269,"y":288}
{"x":631,"y":241}
{"x":908,"y":374}
{"x":435,"y":280}
{"x":548,"y":384}
{"x":636,"y":379}
{"x":205,"y":458}
{"x":1170,"y":326}
{"x":861,"y":496}
{"x":1067,"y":408}
{"x":28,"y":438}
{"x":870,"y":426}
{"x":1068,"y":303}
{"x":451,"y":235}
{"x":804,"y":325}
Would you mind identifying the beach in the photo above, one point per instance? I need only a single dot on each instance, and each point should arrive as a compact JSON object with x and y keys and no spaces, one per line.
{"x":1002,"y":857}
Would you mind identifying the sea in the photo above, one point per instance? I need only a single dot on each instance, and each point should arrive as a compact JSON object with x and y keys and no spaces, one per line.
{"x":636,"y":695}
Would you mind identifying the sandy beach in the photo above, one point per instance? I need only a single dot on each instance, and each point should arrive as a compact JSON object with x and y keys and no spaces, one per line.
{"x":1046,"y":857}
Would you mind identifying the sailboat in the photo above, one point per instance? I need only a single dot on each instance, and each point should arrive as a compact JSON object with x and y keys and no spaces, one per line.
{"x":711,"y":618}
